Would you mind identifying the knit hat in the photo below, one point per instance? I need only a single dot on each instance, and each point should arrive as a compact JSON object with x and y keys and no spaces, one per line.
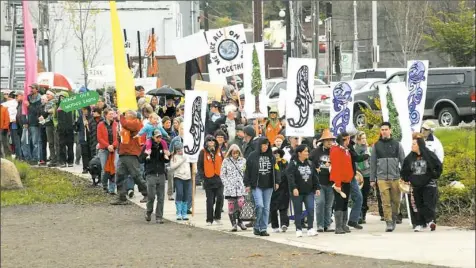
{"x":250,"y":131}
{"x":178,"y":146}
{"x":239,"y":127}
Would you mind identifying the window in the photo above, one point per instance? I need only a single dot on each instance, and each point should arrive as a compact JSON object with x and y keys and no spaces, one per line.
{"x":277,"y":89}
{"x":396,"y":79}
{"x":446,"y":79}
{"x":269,"y":86}
{"x":318,"y":82}
{"x":372,"y":74}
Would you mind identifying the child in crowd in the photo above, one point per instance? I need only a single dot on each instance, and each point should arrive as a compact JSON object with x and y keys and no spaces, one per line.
{"x":148,"y":129}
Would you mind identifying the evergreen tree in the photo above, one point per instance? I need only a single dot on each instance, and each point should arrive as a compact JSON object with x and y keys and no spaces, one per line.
{"x":393,"y":118}
{"x":256,"y":83}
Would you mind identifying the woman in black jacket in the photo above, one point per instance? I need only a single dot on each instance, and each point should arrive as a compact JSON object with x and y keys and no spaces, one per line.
{"x":303,"y":184}
{"x":422,"y":168}
{"x":280,"y":198}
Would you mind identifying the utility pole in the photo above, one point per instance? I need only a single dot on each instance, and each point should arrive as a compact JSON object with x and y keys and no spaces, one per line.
{"x":355,"y":54}
{"x":288,"y":31}
{"x":315,"y":34}
{"x":375,"y":48}
{"x":297,"y":31}
{"x":206,"y":24}
{"x":47,"y":26}
{"x":257,"y":20}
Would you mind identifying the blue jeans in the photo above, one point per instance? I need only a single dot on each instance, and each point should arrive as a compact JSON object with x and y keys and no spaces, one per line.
{"x":357,"y":199}
{"x":297,"y":204}
{"x":182,"y":188}
{"x":105,"y":178}
{"x":34,"y":133}
{"x":324,"y":204}
{"x":262,"y":197}
{"x":15,"y":134}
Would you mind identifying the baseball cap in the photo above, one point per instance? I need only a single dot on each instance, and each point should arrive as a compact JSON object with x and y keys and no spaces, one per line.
{"x":157,"y":133}
{"x":215,"y":104}
{"x":12,"y":94}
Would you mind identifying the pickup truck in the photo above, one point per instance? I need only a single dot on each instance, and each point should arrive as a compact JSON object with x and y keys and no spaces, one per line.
{"x":450,"y":96}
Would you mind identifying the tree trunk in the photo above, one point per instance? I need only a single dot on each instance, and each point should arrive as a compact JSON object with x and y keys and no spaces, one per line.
{"x":257,"y":104}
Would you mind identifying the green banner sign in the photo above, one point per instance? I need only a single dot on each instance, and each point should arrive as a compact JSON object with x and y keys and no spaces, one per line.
{"x":79,"y":101}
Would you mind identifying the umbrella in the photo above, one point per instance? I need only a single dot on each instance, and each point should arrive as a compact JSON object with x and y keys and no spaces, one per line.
{"x":165,"y":91}
{"x":55,"y":81}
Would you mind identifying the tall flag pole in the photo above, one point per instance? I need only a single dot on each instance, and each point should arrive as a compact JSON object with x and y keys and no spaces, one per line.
{"x":31,"y":67}
{"x":126,"y":98}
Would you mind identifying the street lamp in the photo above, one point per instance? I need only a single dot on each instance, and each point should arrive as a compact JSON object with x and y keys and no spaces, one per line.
{"x":285,"y":13}
{"x":282,"y":13}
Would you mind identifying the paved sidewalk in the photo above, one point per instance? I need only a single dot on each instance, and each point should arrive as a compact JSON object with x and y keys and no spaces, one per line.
{"x":446,"y":246}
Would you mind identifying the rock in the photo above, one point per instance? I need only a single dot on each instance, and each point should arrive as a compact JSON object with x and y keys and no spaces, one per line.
{"x":10,"y":178}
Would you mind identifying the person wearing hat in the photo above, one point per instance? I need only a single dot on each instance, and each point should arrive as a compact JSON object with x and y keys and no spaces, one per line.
{"x":324,"y":202}
{"x":209,"y":165}
{"x":280,"y":198}
{"x":421,"y":168}
{"x":32,"y":125}
{"x":431,"y":141}
{"x":5,"y":129}
{"x":48,"y":114}
{"x":65,"y":132}
{"x":214,"y":119}
{"x":273,"y":126}
{"x":249,"y":139}
{"x":11,"y":105}
{"x":182,"y":177}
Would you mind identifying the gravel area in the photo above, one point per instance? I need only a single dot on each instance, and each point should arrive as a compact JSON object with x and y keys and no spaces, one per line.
{"x":118,"y":236}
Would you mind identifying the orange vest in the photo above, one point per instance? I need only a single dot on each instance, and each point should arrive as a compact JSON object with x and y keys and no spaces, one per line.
{"x":212,"y":168}
{"x":4,"y":118}
{"x":271,"y":132}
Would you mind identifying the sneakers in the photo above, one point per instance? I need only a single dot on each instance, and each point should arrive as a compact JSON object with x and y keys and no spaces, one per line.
{"x":284,"y":228}
{"x":432,"y":226}
{"x":311,"y":232}
{"x":130,"y":193}
{"x":119,"y":202}
{"x":159,"y":221}
{"x":256,"y":232}
{"x":147,"y":216}
{"x":263,"y":233}
{"x":209,"y":224}
{"x":242,"y":226}
{"x":144,"y":199}
{"x":52,"y":164}
{"x":276,"y":230}
{"x":355,"y":225}
{"x":298,"y":233}
{"x":389,"y":227}
{"x":218,"y":222}
{"x":320,"y":229}
{"x":234,"y":228}
{"x":417,"y":228}
{"x":63,"y":165}
{"x":70,"y":165}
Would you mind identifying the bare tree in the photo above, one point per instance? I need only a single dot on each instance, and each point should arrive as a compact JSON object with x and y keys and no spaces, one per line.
{"x":82,"y":18}
{"x":409,"y":19}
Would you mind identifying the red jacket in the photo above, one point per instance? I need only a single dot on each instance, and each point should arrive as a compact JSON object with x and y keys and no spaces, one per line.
{"x":133,"y":147}
{"x":103,"y":139}
{"x":4,"y":118}
{"x":341,"y":166}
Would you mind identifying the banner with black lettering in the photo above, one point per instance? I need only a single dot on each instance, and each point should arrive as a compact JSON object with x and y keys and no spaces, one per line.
{"x":226,"y":50}
{"x":194,"y":123}
{"x":300,"y":97}
{"x":417,"y":80}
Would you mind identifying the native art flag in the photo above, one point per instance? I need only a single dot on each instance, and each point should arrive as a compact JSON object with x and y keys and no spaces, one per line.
{"x":194,"y":123}
{"x":342,"y":111}
{"x":300,"y":97}
{"x":417,"y":80}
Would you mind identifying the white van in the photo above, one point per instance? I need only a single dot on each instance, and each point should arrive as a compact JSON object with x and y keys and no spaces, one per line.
{"x":382,"y":73}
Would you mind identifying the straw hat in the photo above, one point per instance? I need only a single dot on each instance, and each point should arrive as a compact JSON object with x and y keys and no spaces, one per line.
{"x":327,"y":135}
{"x":405,"y":188}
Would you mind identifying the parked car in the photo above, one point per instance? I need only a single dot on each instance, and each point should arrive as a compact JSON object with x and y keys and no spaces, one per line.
{"x":382,"y":73}
{"x":450,"y":96}
{"x":275,"y":87}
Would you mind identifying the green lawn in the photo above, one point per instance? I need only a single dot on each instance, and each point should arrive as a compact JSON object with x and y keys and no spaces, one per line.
{"x":462,"y":137}
{"x":51,"y":186}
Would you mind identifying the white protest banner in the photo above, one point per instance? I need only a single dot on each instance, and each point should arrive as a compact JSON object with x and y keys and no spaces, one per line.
{"x":299,"y":97}
{"x":342,"y":112}
{"x":399,"y":96}
{"x":256,"y":101}
{"x":194,"y":123}
{"x":226,"y":49}
{"x":190,"y":47}
{"x":417,"y":80}
{"x":148,"y":83}
{"x":214,"y":77}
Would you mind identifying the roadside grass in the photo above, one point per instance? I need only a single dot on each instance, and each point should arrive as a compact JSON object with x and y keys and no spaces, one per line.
{"x":50,"y":186}
{"x":463,"y":137}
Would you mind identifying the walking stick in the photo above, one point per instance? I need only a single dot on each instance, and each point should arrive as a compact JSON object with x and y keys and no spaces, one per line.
{"x":194,"y":173}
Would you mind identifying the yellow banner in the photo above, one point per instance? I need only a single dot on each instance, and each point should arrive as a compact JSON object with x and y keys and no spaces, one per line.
{"x":126,"y":98}
{"x":214,"y":90}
